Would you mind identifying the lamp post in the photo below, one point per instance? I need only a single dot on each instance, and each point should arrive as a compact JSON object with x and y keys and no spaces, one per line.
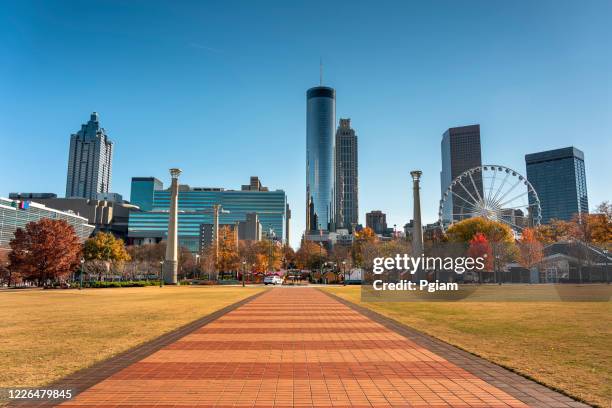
{"x":344,"y":272}
{"x":198,"y":265}
{"x":81,"y":274}
{"x":243,"y":272}
{"x":161,"y":274}
{"x":605,"y":251}
{"x":271,"y":234}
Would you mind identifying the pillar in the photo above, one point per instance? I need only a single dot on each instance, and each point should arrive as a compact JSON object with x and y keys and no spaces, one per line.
{"x":170,"y":267}
{"x":417,"y":233}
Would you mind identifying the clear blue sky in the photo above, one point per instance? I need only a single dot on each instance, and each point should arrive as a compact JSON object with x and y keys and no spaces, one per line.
{"x":218,"y":88}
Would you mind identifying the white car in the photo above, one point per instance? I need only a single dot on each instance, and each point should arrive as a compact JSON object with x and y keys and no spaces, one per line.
{"x":273,"y":279}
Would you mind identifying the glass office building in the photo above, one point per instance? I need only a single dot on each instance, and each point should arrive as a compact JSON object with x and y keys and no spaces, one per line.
{"x":558,"y":177}
{"x":320,"y":167}
{"x":142,"y":191}
{"x":460,"y":149}
{"x":17,"y":213}
{"x":196,"y":209}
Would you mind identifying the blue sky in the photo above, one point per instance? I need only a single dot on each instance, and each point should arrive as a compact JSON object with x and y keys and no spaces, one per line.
{"x":218,"y":88}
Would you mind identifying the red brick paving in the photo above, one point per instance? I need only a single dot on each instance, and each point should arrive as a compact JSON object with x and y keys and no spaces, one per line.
{"x":293,"y":348}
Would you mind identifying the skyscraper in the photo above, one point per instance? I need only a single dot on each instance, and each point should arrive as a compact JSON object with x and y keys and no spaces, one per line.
{"x":558,"y":177}
{"x":347,"y":207}
{"x":89,"y":161}
{"x":377,"y":220}
{"x":460,"y":152}
{"x":320,"y":174}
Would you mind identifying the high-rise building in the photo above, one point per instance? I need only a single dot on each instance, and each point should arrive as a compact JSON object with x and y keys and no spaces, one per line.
{"x":89,"y":161}
{"x":460,"y":152}
{"x":558,"y":177}
{"x":377,"y":220}
{"x":320,"y":168}
{"x":347,"y":205}
{"x":196,"y":214}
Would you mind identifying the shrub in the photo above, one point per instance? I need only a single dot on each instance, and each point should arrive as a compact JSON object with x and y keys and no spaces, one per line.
{"x":119,"y":284}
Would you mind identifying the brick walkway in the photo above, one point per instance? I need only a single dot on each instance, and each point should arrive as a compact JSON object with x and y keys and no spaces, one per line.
{"x":296,"y":347}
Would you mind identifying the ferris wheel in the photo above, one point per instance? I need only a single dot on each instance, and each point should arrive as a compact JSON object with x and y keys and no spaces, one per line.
{"x":493,"y":192}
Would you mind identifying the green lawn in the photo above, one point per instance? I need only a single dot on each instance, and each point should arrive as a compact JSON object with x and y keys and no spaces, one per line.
{"x":565,"y":345}
{"x":47,"y":334}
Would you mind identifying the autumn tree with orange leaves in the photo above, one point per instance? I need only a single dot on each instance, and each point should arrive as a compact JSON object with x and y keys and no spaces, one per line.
{"x":365,"y":240}
{"x":480,"y":248}
{"x":227,"y":259}
{"x":45,"y":250}
{"x":530,"y":249}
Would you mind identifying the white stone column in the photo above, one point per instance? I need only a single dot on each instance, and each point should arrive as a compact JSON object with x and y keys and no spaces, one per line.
{"x":170,"y":267}
{"x":417,"y":233}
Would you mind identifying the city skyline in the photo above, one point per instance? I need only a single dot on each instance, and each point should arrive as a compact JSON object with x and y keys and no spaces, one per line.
{"x":396,"y":86}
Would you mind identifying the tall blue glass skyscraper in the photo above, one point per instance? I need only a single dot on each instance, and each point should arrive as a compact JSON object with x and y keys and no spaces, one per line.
{"x":320,"y":167}
{"x":559,"y":178}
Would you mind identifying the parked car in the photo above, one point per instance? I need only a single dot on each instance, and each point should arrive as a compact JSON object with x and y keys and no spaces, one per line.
{"x":273,"y":280}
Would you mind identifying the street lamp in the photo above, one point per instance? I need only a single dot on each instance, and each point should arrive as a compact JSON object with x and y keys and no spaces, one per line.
{"x":605,"y":251}
{"x":198,"y":265}
{"x":161,"y":274}
{"x":81,"y":274}
{"x":243,"y":272}
{"x":344,"y":271}
{"x":271,"y":235}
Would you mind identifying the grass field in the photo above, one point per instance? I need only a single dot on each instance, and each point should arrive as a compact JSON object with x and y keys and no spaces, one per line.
{"x":45,"y":335}
{"x":565,"y":345}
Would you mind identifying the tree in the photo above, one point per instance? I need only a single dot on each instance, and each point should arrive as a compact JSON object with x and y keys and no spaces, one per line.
{"x":494,"y":231}
{"x":601,"y":224}
{"x":288,"y":257}
{"x":6,"y":275}
{"x":46,"y":250}
{"x":207,"y":261}
{"x":530,"y":249}
{"x":311,"y":255}
{"x":594,"y":228}
{"x":341,"y":253}
{"x":186,"y":263}
{"x":104,"y":250}
{"x":365,"y":238}
{"x":480,"y":248}
{"x":227,"y":259}
{"x":499,"y":237}
{"x":554,"y":231}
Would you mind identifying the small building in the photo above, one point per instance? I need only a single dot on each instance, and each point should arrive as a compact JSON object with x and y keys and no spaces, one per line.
{"x":576,"y":262}
{"x":108,"y":215}
{"x":18,"y":213}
